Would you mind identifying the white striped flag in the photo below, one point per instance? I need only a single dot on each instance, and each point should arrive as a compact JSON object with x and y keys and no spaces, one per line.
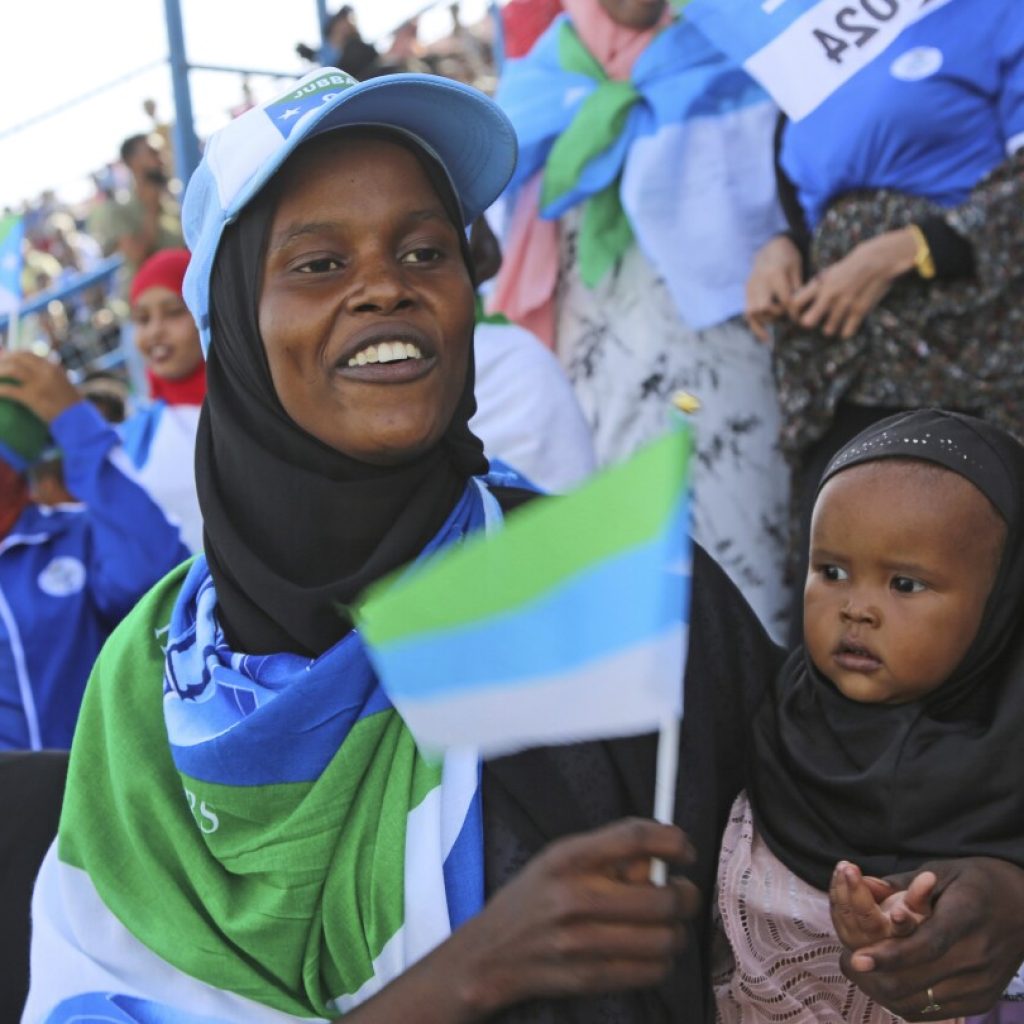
{"x":569,"y":624}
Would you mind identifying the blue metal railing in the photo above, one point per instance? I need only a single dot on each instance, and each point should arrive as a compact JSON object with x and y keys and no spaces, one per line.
{"x":73,"y":286}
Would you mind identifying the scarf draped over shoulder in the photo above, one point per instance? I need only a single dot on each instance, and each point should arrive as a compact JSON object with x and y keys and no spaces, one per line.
{"x":584,"y":102}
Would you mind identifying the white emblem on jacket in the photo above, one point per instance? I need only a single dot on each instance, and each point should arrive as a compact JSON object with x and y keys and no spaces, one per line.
{"x":912,"y":66}
{"x":62,"y":577}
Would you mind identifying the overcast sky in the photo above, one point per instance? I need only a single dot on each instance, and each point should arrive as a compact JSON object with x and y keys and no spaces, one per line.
{"x":52,"y":51}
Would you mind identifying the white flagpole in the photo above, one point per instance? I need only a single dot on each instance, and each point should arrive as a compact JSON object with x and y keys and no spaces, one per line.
{"x":665,"y":785}
{"x":668,"y":735}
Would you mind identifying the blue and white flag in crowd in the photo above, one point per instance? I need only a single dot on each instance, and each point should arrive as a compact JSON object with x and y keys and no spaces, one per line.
{"x":12,"y":231}
{"x":802,"y":51}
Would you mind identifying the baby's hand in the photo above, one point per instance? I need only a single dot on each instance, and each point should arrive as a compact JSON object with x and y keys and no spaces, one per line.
{"x":866,"y":910}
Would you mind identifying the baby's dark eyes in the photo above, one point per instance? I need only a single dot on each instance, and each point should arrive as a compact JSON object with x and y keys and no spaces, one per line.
{"x":906,"y":585}
{"x":834,"y":574}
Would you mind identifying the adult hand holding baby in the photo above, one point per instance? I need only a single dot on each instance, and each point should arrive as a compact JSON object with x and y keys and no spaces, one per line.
{"x":962,"y":957}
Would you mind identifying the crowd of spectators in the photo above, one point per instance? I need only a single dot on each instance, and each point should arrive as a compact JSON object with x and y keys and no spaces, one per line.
{"x":132,"y":210}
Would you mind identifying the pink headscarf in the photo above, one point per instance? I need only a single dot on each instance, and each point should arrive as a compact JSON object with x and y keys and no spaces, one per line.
{"x":525,"y":288}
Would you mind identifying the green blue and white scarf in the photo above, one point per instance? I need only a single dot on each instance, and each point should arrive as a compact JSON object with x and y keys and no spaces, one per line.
{"x":261,"y":841}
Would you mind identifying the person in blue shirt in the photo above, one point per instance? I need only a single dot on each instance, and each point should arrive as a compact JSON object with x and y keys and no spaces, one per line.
{"x":68,"y":573}
{"x":900,"y":283}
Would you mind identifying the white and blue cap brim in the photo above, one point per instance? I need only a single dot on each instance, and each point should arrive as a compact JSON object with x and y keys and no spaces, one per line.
{"x":465,"y":130}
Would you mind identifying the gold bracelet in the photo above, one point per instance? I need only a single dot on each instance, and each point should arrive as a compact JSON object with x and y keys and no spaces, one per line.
{"x":924,"y":263}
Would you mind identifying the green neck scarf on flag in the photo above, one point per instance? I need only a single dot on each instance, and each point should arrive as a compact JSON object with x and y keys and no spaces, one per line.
{"x":605,"y":234}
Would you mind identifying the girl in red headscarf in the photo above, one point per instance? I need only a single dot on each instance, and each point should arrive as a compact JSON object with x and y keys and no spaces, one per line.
{"x":161,"y":438}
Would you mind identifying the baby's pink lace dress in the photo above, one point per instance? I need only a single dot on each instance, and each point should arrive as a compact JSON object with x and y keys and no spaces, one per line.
{"x":783,"y":964}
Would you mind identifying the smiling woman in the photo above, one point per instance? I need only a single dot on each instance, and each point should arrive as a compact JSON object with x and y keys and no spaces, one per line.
{"x":380,"y":297}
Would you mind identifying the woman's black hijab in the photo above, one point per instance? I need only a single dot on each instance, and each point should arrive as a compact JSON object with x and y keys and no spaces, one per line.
{"x":890,"y":786}
{"x":293,"y":529}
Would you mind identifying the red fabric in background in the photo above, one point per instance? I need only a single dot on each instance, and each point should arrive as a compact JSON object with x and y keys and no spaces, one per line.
{"x":190,"y":390}
{"x":525,"y":21}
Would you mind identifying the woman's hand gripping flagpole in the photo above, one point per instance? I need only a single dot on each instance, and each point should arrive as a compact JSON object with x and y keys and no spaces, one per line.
{"x":684,"y":404}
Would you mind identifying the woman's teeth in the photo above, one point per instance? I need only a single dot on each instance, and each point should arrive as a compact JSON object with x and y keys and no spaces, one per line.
{"x":386,"y":352}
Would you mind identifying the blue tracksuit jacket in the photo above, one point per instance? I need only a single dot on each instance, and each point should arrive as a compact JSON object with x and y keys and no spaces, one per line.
{"x":68,"y":575}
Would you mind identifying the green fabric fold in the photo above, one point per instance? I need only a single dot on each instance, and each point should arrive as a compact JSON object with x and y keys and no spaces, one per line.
{"x":606,"y":233}
{"x":251,"y":889}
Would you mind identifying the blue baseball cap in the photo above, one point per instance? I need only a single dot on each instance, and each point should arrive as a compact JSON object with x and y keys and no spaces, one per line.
{"x":466,"y":131}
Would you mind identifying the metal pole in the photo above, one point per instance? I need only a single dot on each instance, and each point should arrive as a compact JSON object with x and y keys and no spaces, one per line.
{"x":186,"y":145}
{"x":321,"y":19}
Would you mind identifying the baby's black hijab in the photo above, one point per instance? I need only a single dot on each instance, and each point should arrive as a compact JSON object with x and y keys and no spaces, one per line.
{"x":293,"y":529}
{"x":891,"y":786}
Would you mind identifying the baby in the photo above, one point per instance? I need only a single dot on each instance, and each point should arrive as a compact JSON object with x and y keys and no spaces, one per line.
{"x":892,"y":735}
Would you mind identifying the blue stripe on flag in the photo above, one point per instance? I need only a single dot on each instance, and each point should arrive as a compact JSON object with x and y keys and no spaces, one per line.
{"x":465,"y":658}
{"x":743,"y":27}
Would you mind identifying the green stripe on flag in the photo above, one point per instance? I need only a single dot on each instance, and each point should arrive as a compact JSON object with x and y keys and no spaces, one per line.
{"x":542,"y":546}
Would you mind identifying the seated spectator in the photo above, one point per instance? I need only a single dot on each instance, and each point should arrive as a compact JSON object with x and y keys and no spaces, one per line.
{"x":406,"y":49}
{"x":68,"y":575}
{"x":148,"y":218}
{"x":466,"y":53}
{"x":343,"y":47}
{"x":161,"y":439}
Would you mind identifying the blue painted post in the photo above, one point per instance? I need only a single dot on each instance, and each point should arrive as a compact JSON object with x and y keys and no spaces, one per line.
{"x":186,"y":145}
{"x":321,"y":20}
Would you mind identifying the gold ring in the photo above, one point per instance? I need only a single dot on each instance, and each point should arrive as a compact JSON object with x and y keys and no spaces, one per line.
{"x":932,"y":1007}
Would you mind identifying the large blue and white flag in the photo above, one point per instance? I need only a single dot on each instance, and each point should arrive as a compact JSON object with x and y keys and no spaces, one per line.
{"x":12,"y":232}
{"x":802,"y":51}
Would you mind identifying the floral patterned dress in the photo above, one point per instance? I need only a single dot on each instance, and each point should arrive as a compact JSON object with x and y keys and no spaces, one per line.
{"x":627,"y":351}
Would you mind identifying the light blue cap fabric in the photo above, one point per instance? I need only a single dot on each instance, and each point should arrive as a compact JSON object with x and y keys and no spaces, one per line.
{"x":468,"y":133}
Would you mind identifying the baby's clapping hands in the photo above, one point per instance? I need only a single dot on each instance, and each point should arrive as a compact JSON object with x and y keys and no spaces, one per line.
{"x":866,"y":910}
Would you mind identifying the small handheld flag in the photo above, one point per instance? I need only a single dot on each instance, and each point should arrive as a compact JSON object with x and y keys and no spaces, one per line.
{"x":569,"y":624}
